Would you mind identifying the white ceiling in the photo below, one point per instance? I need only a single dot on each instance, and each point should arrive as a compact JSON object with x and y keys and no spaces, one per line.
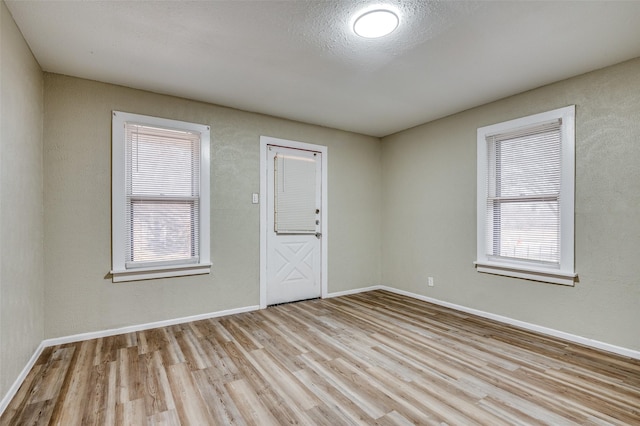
{"x":300,"y":59}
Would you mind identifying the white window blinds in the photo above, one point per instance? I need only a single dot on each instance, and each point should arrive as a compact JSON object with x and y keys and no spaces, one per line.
{"x":296,"y":193}
{"x":162,"y":195}
{"x":523,"y":193}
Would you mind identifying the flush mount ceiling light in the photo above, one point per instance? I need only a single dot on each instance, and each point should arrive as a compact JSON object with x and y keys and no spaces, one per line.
{"x":376,"y":23}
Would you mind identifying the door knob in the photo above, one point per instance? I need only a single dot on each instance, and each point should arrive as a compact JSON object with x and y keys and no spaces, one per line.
{"x":318,"y":235}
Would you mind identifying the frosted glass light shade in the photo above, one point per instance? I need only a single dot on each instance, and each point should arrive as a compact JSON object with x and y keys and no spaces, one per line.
{"x":376,"y":23}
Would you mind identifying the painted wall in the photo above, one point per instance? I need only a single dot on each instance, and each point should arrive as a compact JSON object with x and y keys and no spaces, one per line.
{"x":21,"y":203}
{"x":429,"y":210}
{"x":77,"y":149}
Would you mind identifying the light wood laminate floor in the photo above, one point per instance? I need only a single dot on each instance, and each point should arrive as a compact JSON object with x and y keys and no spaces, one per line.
{"x":371,"y":358}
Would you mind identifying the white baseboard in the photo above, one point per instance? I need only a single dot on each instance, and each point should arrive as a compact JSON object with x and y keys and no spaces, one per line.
{"x":105,"y":333}
{"x":23,"y":375}
{"x":353,"y":291}
{"x":526,"y":325}
{"x":147,"y":326}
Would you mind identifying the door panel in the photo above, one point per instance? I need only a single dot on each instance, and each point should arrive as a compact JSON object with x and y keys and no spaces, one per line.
{"x":294,"y":232}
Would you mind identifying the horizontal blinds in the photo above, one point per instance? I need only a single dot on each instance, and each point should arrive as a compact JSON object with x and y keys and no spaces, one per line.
{"x":295,"y":194}
{"x":162,"y":195}
{"x":162,"y":162}
{"x":163,"y":231}
{"x":523,"y":217}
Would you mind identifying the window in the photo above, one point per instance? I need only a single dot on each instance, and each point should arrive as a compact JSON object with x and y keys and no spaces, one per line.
{"x":526,"y":196}
{"x":160,"y":198}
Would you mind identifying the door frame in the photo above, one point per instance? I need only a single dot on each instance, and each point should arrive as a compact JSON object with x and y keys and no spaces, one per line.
{"x":265,"y":141}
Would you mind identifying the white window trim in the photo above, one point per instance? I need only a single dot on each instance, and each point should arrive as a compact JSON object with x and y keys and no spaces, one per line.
{"x":119,"y":271}
{"x":564,"y":274}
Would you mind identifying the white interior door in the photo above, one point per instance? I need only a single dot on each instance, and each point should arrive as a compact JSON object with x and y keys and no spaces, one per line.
{"x":294,"y":234}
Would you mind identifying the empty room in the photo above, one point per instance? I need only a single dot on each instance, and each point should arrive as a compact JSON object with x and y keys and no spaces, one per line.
{"x":322,"y":212}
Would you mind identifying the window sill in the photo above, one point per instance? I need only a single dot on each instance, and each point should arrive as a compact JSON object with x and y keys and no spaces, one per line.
{"x":528,"y":273}
{"x":138,"y":274}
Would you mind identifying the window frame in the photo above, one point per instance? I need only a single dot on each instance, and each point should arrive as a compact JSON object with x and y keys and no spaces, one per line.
{"x":120,"y":271}
{"x":562,"y":273}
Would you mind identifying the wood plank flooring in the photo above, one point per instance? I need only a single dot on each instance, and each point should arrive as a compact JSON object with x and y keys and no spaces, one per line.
{"x":371,"y":358}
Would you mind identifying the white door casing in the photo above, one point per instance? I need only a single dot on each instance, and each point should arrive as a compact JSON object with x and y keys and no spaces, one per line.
{"x":292,"y":221}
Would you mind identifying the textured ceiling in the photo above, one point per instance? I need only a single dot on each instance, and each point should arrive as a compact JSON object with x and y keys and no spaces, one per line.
{"x":301,"y":60}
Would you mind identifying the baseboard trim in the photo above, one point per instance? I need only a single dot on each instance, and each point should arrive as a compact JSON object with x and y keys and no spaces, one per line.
{"x":13,"y":390}
{"x":105,"y":333}
{"x":619,"y":350}
{"x":141,"y":327}
{"x":353,"y":291}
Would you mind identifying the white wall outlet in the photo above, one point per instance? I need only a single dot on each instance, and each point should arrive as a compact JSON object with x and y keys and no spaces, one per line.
{"x":254,"y":198}
{"x":430,"y":281}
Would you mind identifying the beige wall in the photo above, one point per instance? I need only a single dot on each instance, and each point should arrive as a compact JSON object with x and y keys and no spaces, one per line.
{"x":21,"y":223}
{"x":429,"y":210}
{"x":77,"y":143}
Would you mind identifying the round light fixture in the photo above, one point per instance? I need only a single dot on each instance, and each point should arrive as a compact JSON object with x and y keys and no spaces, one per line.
{"x":376,"y":23}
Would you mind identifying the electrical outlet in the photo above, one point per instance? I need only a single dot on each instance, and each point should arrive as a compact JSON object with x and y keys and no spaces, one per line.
{"x":430,"y":281}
